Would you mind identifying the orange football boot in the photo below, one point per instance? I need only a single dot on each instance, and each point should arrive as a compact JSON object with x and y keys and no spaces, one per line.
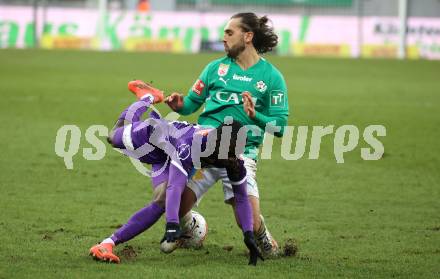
{"x":104,"y":252}
{"x":140,"y":89}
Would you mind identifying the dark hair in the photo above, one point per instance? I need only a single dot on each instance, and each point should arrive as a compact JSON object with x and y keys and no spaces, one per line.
{"x":264,"y":37}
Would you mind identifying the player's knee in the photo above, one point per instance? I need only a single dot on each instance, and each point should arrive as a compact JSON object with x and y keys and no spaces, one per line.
{"x":159,"y":200}
{"x":160,"y":203}
{"x":159,"y":195}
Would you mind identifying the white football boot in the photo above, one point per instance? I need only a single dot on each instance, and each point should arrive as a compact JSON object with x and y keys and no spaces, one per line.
{"x":185,"y":224}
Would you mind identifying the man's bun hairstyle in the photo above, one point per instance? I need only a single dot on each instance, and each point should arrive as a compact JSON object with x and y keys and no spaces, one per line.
{"x":264,"y":39}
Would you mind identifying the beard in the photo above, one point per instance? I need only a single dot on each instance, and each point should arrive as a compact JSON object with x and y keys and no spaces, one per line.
{"x":234,"y":51}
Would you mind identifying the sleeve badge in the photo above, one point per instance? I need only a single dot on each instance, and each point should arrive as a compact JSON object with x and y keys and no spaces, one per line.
{"x":198,"y":87}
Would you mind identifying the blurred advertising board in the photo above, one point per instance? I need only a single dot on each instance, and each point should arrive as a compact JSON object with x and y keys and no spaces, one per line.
{"x":332,"y":36}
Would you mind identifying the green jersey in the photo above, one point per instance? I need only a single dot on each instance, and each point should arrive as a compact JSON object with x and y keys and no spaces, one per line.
{"x":220,"y":86}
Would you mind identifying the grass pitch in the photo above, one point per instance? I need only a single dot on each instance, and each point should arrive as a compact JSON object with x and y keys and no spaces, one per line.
{"x":357,"y":219}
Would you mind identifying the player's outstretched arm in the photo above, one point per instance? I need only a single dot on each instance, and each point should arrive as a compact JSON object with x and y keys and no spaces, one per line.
{"x":175,"y":101}
{"x":182,"y":105}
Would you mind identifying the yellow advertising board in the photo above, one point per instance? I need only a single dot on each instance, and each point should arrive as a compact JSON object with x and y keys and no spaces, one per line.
{"x":69,"y":42}
{"x":388,"y":51}
{"x":326,"y":50}
{"x":158,"y":45}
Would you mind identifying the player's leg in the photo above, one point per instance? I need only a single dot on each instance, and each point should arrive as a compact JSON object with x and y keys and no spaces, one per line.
{"x":196,"y":187}
{"x":189,"y":199}
{"x":142,"y":89}
{"x":255,"y":204}
{"x":146,"y":95}
{"x":266,"y":243}
{"x":139,"y":222}
{"x":120,"y":137}
{"x":187,"y":202}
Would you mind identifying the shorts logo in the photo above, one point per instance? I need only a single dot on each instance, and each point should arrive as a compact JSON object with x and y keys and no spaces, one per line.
{"x":277,"y":99}
{"x":223,"y":69}
{"x":198,"y":87}
{"x":183,"y":151}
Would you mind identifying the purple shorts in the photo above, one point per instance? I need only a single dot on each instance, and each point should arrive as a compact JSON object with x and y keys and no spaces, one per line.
{"x":159,"y":173}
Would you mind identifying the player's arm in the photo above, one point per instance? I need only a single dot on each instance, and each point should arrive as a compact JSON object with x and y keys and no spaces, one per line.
{"x":195,"y":98}
{"x":237,"y":175}
{"x":273,"y":115}
{"x":183,"y":105}
{"x":273,"y":124}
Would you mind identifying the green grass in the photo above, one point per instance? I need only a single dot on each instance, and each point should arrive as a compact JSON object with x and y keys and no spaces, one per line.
{"x":357,"y":219}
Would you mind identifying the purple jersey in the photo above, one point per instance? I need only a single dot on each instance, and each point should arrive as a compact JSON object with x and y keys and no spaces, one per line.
{"x":156,"y":141}
{"x":169,"y":145}
{"x":166,"y":145}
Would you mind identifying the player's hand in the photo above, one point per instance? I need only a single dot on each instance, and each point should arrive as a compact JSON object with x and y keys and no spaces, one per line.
{"x":175,"y":101}
{"x":172,"y":233}
{"x":248,"y":104}
{"x":254,"y":254}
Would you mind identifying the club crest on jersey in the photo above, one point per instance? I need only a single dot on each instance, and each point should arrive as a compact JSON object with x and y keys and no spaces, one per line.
{"x":223,"y":69}
{"x":261,"y":86}
{"x":198,"y":87}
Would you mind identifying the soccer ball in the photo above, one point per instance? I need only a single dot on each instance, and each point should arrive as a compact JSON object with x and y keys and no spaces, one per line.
{"x":195,"y":231}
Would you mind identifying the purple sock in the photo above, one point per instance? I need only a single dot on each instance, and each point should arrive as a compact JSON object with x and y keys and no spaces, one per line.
{"x":138,"y":223}
{"x":243,"y":207}
{"x":176,"y":185}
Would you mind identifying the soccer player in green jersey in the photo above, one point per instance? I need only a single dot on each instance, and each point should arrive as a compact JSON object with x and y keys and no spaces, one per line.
{"x":245,"y":86}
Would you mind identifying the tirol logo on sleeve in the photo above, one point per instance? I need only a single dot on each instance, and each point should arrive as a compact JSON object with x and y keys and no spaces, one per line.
{"x":198,"y":87}
{"x":277,"y":99}
{"x":223,"y":69}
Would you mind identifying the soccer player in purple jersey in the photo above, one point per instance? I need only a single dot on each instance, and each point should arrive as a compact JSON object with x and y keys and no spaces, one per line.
{"x":174,"y":149}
